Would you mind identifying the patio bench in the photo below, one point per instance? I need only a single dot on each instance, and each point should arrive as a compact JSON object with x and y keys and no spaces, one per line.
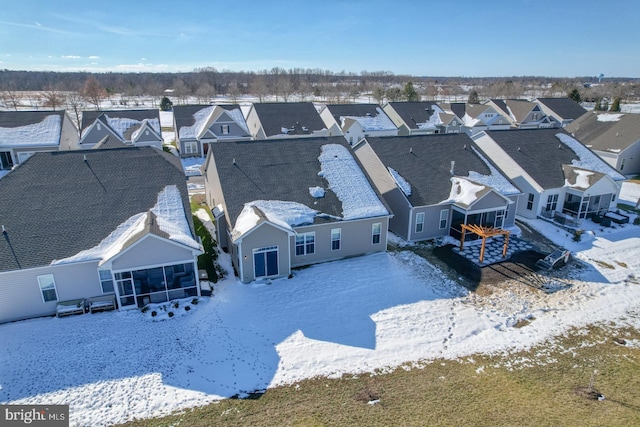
{"x":102,"y":303}
{"x":616,"y":217}
{"x":73,"y":306}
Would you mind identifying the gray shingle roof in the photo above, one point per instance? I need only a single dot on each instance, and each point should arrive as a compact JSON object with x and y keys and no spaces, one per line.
{"x":425,"y":161}
{"x":413,"y":113}
{"x":295,"y":116}
{"x":56,"y":204}
{"x":282,"y":169}
{"x":564,"y":108}
{"x":356,"y":110}
{"x":606,"y":135}
{"x":12,"y":119}
{"x":539,"y":152}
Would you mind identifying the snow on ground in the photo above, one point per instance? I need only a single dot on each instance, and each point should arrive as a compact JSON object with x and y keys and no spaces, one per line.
{"x":191,"y":165}
{"x":368,"y":313}
{"x":166,"y":119}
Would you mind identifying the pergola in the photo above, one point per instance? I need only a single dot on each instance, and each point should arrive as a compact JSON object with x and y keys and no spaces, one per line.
{"x":485,"y":232}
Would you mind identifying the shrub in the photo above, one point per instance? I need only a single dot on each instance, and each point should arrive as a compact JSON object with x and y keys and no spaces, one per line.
{"x":577,"y":235}
{"x":176,"y":304}
{"x":144,"y":309}
{"x":170,"y":314}
{"x":154,"y":313}
{"x":194,"y":301}
{"x":636,"y":221}
{"x":187,"y":308}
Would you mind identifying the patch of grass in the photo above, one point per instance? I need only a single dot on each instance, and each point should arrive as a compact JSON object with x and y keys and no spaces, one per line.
{"x":199,"y":201}
{"x":622,"y":264}
{"x":521,"y":323}
{"x":483,"y":390}
{"x":604,"y":264}
{"x":628,"y":208}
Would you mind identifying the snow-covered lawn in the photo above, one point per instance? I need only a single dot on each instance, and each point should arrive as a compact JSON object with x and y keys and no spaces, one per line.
{"x":368,"y":313}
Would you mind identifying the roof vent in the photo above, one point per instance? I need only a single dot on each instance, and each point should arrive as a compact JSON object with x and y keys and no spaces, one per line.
{"x":465,"y":146}
{"x":410,"y":149}
{"x":84,"y":157}
{"x":518,"y":148}
{"x":559,"y":146}
{"x":453,"y":164}
{"x":234,"y":160}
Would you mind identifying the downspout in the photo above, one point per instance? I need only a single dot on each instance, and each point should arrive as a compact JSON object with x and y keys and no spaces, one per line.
{"x":240,"y":263}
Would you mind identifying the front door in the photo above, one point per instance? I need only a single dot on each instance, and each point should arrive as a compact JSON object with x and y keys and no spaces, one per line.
{"x":265,"y":262}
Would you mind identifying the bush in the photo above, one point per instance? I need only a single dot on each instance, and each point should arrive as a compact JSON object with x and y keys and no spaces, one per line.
{"x":187,"y":308}
{"x":170,"y":314}
{"x":577,"y":235}
{"x":636,"y":221}
{"x":165,"y":104}
{"x":176,"y":304}
{"x":194,"y":301}
{"x":144,"y":309}
{"x":154,"y":313}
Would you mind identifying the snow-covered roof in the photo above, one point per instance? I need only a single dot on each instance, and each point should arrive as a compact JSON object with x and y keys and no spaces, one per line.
{"x":123,"y":124}
{"x":372,"y":123}
{"x":464,"y":191}
{"x":609,"y":117}
{"x":582,"y":179}
{"x":495,"y":179}
{"x":46,"y":132}
{"x":349,"y":183}
{"x":433,"y":121}
{"x":400,"y":181}
{"x":169,"y":212}
{"x":588,"y":160}
{"x":237,"y":116}
{"x":283,"y":213}
{"x":200,"y":120}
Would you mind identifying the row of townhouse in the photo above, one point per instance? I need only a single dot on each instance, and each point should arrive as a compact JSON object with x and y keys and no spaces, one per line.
{"x":287,"y":202}
{"x":84,"y":223}
{"x":614,"y":137}
{"x":197,"y":126}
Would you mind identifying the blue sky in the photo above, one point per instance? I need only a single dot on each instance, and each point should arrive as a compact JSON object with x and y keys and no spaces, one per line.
{"x":558,"y":38}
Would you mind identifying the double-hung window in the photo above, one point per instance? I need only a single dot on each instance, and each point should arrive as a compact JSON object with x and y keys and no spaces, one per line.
{"x":376,"y":231}
{"x":191,"y":147}
{"x":336,"y":235}
{"x":444,"y":216}
{"x":48,"y":288}
{"x":224,"y":129}
{"x":530,"y":202}
{"x":306,"y":243}
{"x":552,"y":202}
{"x":419,"y":222}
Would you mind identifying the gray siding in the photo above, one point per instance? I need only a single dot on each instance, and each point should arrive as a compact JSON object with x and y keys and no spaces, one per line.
{"x":490,"y":201}
{"x":151,"y":251}
{"x":20,"y":296}
{"x":431,"y":227}
{"x":95,"y":135}
{"x":264,"y":236}
{"x":69,"y":135}
{"x":386,"y":186}
{"x":355,"y":239}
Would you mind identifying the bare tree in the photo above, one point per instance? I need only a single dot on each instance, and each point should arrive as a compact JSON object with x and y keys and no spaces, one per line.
{"x":259,"y":87}
{"x":93,"y":92}
{"x":75,"y":102}
{"x":204,"y":93}
{"x":181,"y":91}
{"x":10,"y":99}
{"x":52,"y":98}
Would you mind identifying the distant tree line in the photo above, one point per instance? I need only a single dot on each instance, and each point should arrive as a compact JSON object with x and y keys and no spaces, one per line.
{"x":75,"y":91}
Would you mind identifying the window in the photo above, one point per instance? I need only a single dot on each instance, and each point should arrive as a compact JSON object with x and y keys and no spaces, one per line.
{"x":191,"y":147}
{"x":336,"y":234}
{"x":534,"y":116}
{"x":419,"y":222}
{"x":622,"y":165}
{"x":106,"y":281}
{"x":499,"y":219}
{"x":224,"y":129}
{"x":530,"y":202}
{"x":376,"y":230}
{"x":444,"y":216}
{"x":48,"y":288}
{"x":305,"y":243}
{"x":552,"y":202}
